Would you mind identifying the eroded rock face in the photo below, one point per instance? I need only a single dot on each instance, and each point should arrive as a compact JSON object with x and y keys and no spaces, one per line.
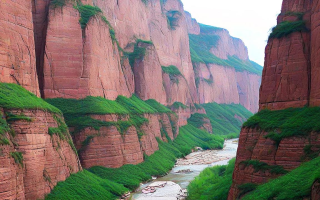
{"x":83,"y":63}
{"x":285,"y":80}
{"x":17,"y":48}
{"x":290,"y":75}
{"x":315,"y":194}
{"x":193,"y":26}
{"x":46,"y":159}
{"x":221,"y":84}
{"x":253,"y":145}
{"x":110,"y":148}
{"x":229,"y":46}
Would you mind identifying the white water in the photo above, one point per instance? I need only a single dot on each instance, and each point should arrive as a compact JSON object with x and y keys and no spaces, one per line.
{"x":224,"y":155}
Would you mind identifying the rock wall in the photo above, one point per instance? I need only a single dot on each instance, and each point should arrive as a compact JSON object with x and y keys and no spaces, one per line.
{"x":223,"y":84}
{"x":253,"y":145}
{"x":110,"y":148}
{"x":290,"y":79}
{"x":46,"y":159}
{"x":17,"y":47}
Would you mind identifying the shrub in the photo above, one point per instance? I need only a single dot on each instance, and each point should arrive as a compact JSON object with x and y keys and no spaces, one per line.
{"x":139,"y":52}
{"x":285,"y":28}
{"x":18,"y":157}
{"x":86,"y":13}
{"x":58,"y":3}
{"x":197,"y":120}
{"x":171,"y":70}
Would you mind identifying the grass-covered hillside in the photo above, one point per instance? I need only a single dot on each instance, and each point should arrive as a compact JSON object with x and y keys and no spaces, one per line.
{"x":200,"y":49}
{"x":77,"y":112}
{"x":291,"y":122}
{"x":106,"y":183}
{"x":212,"y":183}
{"x":226,"y":119}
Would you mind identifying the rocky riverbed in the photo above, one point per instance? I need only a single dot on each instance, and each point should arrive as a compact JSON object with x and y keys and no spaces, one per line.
{"x":186,"y":169}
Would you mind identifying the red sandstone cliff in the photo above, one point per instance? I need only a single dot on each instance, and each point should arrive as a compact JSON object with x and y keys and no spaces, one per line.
{"x":46,"y":159}
{"x":109,"y":148}
{"x":17,"y":47}
{"x":290,"y":79}
{"x":220,"y":83}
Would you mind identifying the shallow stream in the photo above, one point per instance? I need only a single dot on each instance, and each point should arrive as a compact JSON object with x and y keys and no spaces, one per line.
{"x":195,"y":162}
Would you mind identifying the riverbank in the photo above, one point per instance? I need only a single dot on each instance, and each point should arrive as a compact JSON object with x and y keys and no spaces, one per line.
{"x":185,"y":170}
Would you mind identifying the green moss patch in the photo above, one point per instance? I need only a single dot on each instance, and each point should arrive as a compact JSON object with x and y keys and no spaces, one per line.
{"x":86,"y":13}
{"x":171,"y":70}
{"x":173,"y":17}
{"x":58,"y":3}
{"x":12,"y":117}
{"x":285,"y":28}
{"x":139,"y":51}
{"x":18,"y":157}
{"x":286,"y":123}
{"x":212,"y":183}
{"x":262,"y":166}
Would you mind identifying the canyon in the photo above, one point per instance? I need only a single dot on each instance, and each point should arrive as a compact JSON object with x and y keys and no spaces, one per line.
{"x":122,"y":54}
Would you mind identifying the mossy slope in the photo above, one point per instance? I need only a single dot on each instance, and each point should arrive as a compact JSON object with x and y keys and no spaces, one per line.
{"x":226,"y":118}
{"x":200,"y":49}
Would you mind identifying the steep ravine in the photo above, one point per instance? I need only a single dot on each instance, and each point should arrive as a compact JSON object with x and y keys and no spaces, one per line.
{"x":121,"y":62}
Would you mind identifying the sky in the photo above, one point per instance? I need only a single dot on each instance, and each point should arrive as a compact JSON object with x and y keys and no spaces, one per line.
{"x":249,"y":20}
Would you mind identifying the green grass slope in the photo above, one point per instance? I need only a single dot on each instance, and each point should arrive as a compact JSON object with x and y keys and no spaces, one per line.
{"x":290,"y":122}
{"x":107,"y":183}
{"x":223,"y":120}
{"x":200,"y":46}
{"x":212,"y":183}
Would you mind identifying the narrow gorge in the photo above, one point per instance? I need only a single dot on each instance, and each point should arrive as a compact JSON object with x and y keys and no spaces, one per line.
{"x":97,"y":96}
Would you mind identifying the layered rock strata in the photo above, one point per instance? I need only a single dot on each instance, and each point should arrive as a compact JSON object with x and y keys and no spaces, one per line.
{"x":111,"y":148}
{"x":17,"y":47}
{"x":45,"y":159}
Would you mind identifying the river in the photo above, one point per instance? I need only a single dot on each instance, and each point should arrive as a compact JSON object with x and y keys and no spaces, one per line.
{"x":195,"y":162}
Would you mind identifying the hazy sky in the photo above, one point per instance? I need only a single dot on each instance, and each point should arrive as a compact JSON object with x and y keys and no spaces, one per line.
{"x":249,"y":20}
